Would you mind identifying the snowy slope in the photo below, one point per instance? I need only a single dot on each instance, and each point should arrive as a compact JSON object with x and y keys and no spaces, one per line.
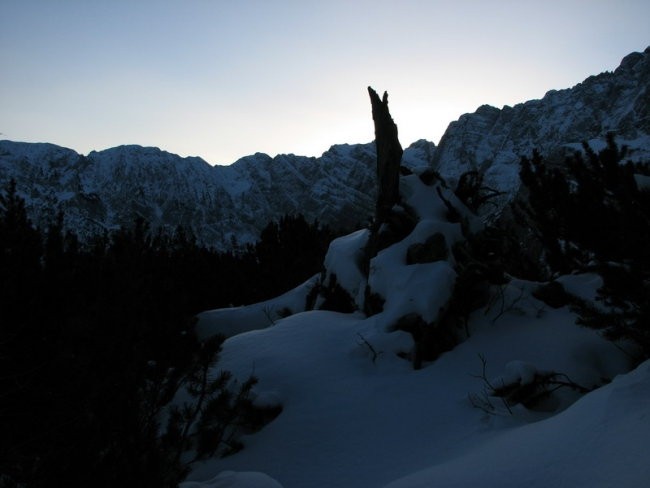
{"x":601,"y":441}
{"x":356,"y":414}
{"x":350,"y":423}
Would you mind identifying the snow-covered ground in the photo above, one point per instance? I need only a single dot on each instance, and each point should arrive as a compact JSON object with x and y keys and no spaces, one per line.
{"x":355,"y":414}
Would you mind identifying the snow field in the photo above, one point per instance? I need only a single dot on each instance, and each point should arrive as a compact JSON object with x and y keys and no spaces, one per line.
{"x":357,"y":415}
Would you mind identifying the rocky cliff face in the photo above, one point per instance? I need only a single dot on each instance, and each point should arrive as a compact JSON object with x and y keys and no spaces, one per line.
{"x":492,"y":140}
{"x":221,"y":204}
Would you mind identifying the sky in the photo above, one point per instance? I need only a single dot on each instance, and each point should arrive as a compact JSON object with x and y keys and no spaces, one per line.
{"x":225,"y":79}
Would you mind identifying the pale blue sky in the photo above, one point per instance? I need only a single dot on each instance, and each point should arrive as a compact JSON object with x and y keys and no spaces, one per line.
{"x":224,"y":79}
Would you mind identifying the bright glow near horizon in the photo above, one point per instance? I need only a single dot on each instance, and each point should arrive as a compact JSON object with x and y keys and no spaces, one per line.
{"x":222,"y":79}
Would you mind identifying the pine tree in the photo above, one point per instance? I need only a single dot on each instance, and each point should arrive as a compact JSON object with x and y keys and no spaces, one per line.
{"x":592,"y":216}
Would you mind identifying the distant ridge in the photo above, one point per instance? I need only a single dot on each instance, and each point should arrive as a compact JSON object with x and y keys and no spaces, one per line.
{"x":224,"y":205}
{"x":492,"y":140}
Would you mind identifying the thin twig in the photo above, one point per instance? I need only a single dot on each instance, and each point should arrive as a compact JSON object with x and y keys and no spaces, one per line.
{"x":375,"y":353}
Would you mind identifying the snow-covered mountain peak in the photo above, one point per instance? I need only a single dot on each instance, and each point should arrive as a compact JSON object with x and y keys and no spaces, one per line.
{"x":110,"y":188}
{"x":144,"y":155}
{"x":253,"y":159}
{"x":34,"y":153}
{"x":418,"y":155}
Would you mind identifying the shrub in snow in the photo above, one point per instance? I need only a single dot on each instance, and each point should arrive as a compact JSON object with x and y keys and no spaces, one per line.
{"x":472,"y":192}
{"x":218,"y":410}
{"x":335,"y":298}
{"x":284,"y":312}
{"x":430,"y":339}
{"x":373,"y":303}
{"x":487,"y":254}
{"x":591,"y":215}
{"x":629,"y":325}
{"x":374,"y":353}
{"x":453,"y":213}
{"x":522,"y":384}
{"x":480,"y":270}
{"x":471,"y":292}
{"x":433,"y":249}
{"x":531,"y":391}
{"x":589,"y":207}
{"x":430,"y":177}
{"x":553,"y":294}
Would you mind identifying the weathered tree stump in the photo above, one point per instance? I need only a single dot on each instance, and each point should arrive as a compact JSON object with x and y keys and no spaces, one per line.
{"x":389,"y":155}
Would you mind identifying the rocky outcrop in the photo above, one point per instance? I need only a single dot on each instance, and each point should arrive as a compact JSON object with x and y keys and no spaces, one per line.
{"x":492,"y":140}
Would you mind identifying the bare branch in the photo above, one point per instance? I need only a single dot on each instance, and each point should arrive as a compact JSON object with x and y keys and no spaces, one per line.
{"x":373,"y":351}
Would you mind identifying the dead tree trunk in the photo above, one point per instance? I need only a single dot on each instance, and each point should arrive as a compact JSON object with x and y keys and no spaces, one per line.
{"x":389,"y":155}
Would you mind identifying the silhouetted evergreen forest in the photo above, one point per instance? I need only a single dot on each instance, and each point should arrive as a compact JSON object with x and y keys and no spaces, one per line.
{"x":96,"y":338}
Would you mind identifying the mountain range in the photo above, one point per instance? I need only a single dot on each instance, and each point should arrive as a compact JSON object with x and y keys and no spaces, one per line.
{"x":226,"y":205}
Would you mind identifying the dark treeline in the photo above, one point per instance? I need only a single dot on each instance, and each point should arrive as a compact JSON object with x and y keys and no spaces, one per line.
{"x":96,"y":337}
